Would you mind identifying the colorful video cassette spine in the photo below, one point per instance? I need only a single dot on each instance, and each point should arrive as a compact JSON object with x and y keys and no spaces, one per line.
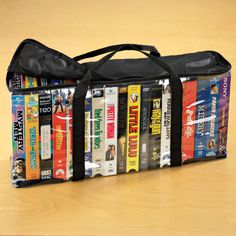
{"x":59,"y":135}
{"x":98,"y":142}
{"x":224,"y":112}
{"x":133,"y":127}
{"x":213,"y":111}
{"x":111,"y":100}
{"x":69,"y":81}
{"x":45,"y":135}
{"x":188,"y":119}
{"x":32,"y":137}
{"x":165,"y":125}
{"x":144,"y":127}
{"x":43,"y":81}
{"x":55,"y":81}
{"x":88,"y":134}
{"x":18,"y":137}
{"x":69,"y":131}
{"x":155,"y":126}
{"x":200,"y":145}
{"x":30,"y":82}
{"x":122,"y":128}
{"x":17,"y":81}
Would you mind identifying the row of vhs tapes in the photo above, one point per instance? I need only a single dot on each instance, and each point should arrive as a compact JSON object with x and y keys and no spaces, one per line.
{"x":205,"y":116}
{"x":42,"y":135}
{"x":123,"y":131}
{"x":126,"y":127}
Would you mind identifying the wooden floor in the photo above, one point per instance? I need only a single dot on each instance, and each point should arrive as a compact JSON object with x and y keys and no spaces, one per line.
{"x":197,"y":199}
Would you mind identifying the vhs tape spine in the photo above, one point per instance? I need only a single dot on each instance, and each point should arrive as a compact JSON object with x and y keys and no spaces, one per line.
{"x":111,"y":97}
{"x":69,"y":131}
{"x":133,"y":127}
{"x":45,"y":135}
{"x":32,"y":137}
{"x":200,"y":144}
{"x":98,"y":142}
{"x":30,"y":82}
{"x":17,"y":81}
{"x":224,"y":112}
{"x":70,"y":81}
{"x":155,"y":126}
{"x":188,"y":119}
{"x":122,"y":127}
{"x":43,"y":81}
{"x":144,"y":127}
{"x":165,"y":125}
{"x":18,"y":137}
{"x":55,"y":81}
{"x":59,"y":135}
{"x":213,"y":111}
{"x":88,"y":134}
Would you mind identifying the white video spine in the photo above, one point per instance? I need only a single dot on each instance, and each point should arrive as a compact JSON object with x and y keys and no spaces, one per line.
{"x":165,"y":126}
{"x":111,"y":100}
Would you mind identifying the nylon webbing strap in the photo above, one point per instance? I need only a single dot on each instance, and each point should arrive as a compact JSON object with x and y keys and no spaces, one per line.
{"x":176,"y":122}
{"x":78,"y":127}
{"x":121,"y":47}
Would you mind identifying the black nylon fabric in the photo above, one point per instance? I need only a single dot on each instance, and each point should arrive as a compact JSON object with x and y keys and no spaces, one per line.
{"x":78,"y":127}
{"x":191,"y":64}
{"x":35,"y":59}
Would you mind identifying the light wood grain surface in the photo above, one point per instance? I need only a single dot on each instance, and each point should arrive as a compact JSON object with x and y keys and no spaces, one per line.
{"x":197,"y":199}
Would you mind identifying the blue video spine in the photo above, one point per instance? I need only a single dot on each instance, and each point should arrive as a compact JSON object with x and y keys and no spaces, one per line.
{"x":213,"y":111}
{"x":200,"y":144}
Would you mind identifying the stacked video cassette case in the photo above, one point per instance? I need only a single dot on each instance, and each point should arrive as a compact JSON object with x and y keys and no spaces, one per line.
{"x":205,"y":116}
{"x":42,"y":136}
{"x":127,"y":126}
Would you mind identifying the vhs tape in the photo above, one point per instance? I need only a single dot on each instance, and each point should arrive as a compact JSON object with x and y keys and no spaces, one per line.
{"x":18,"y":138}
{"x":155,"y":126}
{"x":122,"y":128}
{"x":144,"y":127}
{"x":133,"y":128}
{"x":32,"y":136}
{"x":45,"y":135}
{"x":111,"y":97}
{"x":98,"y":133}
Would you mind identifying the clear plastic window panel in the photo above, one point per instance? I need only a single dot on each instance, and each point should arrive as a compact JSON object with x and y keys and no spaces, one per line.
{"x":127,"y":126}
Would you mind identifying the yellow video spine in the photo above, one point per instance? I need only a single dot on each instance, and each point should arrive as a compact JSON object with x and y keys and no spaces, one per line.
{"x":133,"y":127}
{"x":30,"y":82}
{"x":32,"y":136}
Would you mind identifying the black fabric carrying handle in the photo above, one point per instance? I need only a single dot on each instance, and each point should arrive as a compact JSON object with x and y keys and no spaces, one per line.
{"x":78,"y":153}
{"x":176,"y":104}
{"x":121,"y":47}
{"x":79,"y":116}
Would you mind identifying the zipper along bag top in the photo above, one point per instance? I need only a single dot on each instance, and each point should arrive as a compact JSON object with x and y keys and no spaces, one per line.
{"x":74,"y":120}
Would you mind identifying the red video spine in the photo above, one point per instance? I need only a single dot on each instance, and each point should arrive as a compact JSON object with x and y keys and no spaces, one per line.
{"x":188,"y":119}
{"x":59,"y":138}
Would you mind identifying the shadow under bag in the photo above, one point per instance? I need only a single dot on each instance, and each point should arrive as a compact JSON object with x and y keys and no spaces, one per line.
{"x":72,"y":120}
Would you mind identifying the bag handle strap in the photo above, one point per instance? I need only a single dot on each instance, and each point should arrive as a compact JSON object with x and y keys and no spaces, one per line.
{"x":79,"y":116}
{"x":122,"y":47}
